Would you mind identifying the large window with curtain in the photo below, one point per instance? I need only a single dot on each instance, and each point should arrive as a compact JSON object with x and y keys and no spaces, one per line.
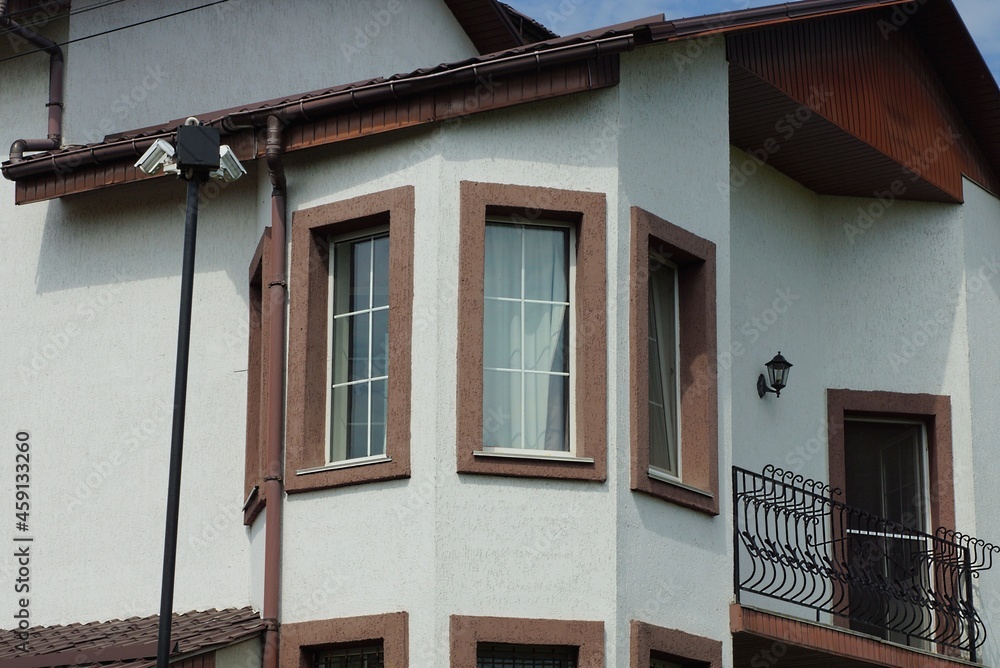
{"x":527,"y":357}
{"x":359,"y":350}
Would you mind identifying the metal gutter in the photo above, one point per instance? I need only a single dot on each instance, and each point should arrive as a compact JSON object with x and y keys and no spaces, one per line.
{"x":56,"y":87}
{"x":317,"y":106}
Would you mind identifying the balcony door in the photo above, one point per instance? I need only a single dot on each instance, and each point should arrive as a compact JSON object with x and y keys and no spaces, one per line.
{"x":886,"y":477}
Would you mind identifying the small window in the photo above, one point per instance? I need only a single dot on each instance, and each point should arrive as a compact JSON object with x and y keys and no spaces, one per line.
{"x":527,"y":358}
{"x":659,"y":663}
{"x":354,"y":656}
{"x":359,"y":349}
{"x":501,"y":655}
{"x":664,"y":431}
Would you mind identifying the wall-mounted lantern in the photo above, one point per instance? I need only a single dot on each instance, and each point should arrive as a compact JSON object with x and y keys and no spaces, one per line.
{"x":777,"y":372}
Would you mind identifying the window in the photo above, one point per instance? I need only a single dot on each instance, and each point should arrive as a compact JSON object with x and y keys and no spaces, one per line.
{"x":258,"y":345}
{"x":663,"y":353}
{"x":356,"y":656}
{"x":373,"y":641}
{"x":500,"y":655}
{"x":526,"y":351}
{"x":504,"y":642}
{"x":350,"y":322}
{"x":532,"y":345}
{"x":674,"y":384}
{"x":914,"y":433}
{"x":657,"y":647}
{"x":359,"y":351}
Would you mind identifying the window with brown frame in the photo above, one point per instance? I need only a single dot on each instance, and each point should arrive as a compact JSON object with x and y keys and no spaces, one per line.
{"x":657,"y":647}
{"x":532,"y":332}
{"x":350,"y":331}
{"x":674,"y":388}
{"x":372,"y":641}
{"x":255,"y":464}
{"x":492,"y":642}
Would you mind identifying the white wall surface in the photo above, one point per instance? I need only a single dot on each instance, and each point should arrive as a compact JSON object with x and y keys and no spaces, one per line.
{"x":239,"y":52}
{"x":674,"y":159}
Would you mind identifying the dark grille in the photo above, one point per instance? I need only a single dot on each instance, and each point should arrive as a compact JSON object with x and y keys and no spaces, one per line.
{"x":358,"y":656}
{"x":499,"y":655}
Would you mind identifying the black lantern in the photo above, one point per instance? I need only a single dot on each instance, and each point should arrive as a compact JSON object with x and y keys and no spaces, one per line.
{"x":777,"y":373}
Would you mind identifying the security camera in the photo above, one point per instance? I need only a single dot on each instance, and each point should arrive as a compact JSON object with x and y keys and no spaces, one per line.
{"x":156,"y":157}
{"x":230,"y":167}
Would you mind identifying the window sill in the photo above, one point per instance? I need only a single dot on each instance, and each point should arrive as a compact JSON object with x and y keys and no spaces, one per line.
{"x":541,"y":455}
{"x":657,"y":474}
{"x":346,"y":464}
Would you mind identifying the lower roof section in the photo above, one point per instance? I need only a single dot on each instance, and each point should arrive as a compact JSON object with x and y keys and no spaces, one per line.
{"x":764,"y":638}
{"x":128,"y":643}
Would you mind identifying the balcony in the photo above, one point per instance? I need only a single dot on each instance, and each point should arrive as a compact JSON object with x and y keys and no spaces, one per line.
{"x":878,"y":586}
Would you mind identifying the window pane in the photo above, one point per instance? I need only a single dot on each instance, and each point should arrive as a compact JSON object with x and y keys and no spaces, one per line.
{"x":502,"y":334}
{"x":380,"y":272}
{"x":546,"y":335}
{"x":357,"y":429}
{"x":380,"y":343}
{"x":545,"y":262}
{"x":663,"y":408}
{"x":349,"y":423}
{"x":503,"y":261}
{"x":502,"y":409}
{"x":545,"y":417}
{"x":359,"y":347}
{"x":501,"y":655}
{"x":380,"y":389}
{"x":368,"y":656}
{"x":361,"y":275}
{"x":358,"y":326}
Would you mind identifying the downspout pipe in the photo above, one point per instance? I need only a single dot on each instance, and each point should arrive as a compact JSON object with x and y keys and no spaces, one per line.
{"x":56,"y":87}
{"x":277,"y":291}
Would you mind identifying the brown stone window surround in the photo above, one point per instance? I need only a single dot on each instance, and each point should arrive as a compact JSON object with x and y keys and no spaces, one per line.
{"x":934,"y":411}
{"x":698,"y":484}
{"x":309,"y":338}
{"x":299,"y":640}
{"x":588,"y":212}
{"x":258,"y":346}
{"x":655,"y":642}
{"x":467,"y":632}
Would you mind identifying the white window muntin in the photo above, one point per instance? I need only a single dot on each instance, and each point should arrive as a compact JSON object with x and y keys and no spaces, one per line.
{"x":570,"y":304}
{"x":332,"y":430}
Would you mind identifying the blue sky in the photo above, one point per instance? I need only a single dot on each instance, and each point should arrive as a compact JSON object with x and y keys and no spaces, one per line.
{"x":566,"y":17}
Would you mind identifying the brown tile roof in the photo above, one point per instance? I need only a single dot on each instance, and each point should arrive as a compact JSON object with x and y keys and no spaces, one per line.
{"x":129,"y":642}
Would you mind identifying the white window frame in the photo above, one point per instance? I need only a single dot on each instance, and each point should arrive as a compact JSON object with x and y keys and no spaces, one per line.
{"x":655,"y":471}
{"x":554,"y":455}
{"x":333,"y":240}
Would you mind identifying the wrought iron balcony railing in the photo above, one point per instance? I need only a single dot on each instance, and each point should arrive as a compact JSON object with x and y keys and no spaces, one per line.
{"x":795,"y":542}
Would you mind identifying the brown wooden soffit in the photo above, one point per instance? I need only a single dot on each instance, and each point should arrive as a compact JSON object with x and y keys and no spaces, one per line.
{"x":487,"y":24}
{"x":852,"y":105}
{"x":763,"y":638}
{"x":485,"y":94}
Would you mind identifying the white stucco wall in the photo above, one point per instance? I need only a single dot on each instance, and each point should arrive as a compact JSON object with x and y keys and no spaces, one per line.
{"x":672,"y":565}
{"x":237,"y":52}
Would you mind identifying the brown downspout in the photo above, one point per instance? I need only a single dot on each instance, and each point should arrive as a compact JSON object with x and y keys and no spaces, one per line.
{"x":55,"y":103}
{"x":277,"y":291}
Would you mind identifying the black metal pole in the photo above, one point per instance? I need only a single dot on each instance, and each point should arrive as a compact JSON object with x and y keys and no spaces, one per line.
{"x":177,"y":435}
